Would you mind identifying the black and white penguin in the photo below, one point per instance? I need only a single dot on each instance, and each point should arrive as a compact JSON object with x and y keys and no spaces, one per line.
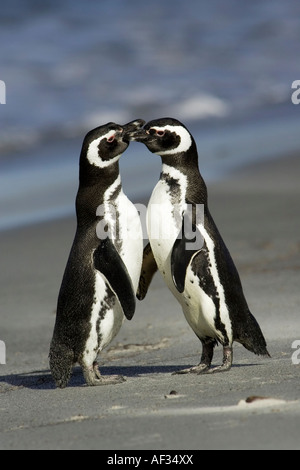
{"x":187,"y":248}
{"x":103,"y":270}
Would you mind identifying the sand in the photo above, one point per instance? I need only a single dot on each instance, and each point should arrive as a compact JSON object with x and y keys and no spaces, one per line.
{"x":257,"y":212}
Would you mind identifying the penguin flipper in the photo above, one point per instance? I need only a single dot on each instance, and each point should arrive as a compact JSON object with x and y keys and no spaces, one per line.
{"x":188,"y":243}
{"x":180,"y":259}
{"x":108,"y":261}
{"x":149,"y":268}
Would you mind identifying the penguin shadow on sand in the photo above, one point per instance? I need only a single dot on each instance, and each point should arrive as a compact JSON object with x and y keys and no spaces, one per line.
{"x":42,"y":379}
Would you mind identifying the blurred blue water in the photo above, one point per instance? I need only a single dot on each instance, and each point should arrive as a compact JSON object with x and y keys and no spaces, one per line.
{"x":223,"y":68}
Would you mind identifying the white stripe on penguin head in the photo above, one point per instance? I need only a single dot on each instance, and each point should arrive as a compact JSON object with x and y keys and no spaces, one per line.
{"x":185,"y":139}
{"x":93,"y":152}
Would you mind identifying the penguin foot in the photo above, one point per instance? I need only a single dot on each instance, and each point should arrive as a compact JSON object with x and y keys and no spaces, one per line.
{"x":215,"y":370}
{"x":205,"y":362}
{"x":227,"y":362}
{"x":108,"y":380}
{"x":204,"y":366}
{"x":200,"y":369}
{"x":94,"y":378}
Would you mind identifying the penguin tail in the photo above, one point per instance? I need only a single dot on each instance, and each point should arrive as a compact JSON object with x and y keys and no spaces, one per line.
{"x":61,"y":360}
{"x":252,"y":337}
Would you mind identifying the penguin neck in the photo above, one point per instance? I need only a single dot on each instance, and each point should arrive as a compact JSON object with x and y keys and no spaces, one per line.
{"x":187,"y":164}
{"x":93,"y":190}
{"x":91,"y":175}
{"x":182,"y":160}
{"x":181,"y":163}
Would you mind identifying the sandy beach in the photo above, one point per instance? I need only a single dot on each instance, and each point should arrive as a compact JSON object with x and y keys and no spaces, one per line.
{"x":257,"y":212}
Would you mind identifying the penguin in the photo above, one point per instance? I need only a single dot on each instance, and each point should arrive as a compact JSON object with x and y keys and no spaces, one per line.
{"x":188,"y":250}
{"x":101,"y":277}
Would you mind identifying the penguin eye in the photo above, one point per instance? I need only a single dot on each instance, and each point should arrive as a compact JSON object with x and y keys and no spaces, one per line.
{"x":157,"y":132}
{"x":111,"y":139}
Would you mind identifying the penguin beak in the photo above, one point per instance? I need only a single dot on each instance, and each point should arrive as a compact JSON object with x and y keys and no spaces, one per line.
{"x":137,"y":135}
{"x":132,"y":127}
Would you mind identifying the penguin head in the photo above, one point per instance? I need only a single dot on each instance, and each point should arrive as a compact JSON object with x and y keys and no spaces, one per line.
{"x":104,"y":145}
{"x":165,"y":137}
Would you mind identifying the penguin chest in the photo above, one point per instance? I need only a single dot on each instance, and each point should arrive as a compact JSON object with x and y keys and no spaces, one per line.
{"x":106,"y":317}
{"x":119,"y":219}
{"x":124,"y":225}
{"x":198,"y":307}
{"x":164,"y":223}
{"x":203,"y":300}
{"x":131,"y":233}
